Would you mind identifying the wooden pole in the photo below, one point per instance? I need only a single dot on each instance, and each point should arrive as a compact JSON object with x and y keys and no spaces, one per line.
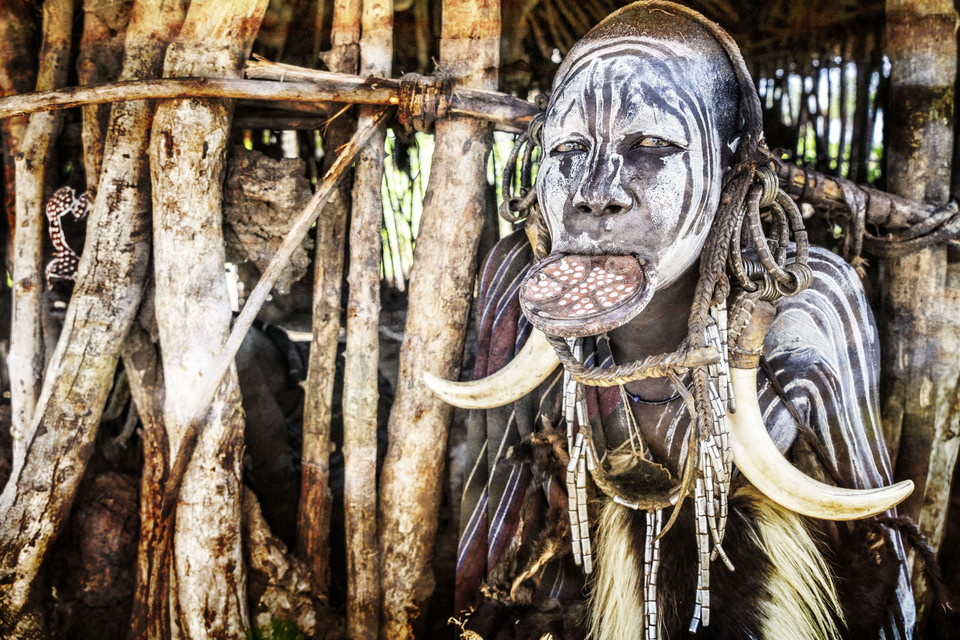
{"x":329,"y":88}
{"x":99,"y":60}
{"x":221,"y":365}
{"x":920,"y":293}
{"x":441,"y":285}
{"x":25,"y":361}
{"x":886,"y":210}
{"x":187,"y":155}
{"x":360,"y":383}
{"x":316,"y":500}
{"x":150,"y":612}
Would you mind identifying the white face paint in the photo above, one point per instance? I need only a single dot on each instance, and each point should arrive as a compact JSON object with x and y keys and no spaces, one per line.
{"x":632,"y":154}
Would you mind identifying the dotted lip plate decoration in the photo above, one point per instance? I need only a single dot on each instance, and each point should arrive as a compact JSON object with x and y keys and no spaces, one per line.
{"x":571,"y":296}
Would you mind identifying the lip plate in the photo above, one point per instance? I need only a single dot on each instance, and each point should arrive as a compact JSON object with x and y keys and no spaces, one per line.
{"x":573,"y":295}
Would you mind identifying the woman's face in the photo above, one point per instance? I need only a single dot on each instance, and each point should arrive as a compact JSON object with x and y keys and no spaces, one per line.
{"x":632,"y":154}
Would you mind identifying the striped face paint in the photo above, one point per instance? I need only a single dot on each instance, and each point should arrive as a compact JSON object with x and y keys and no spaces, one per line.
{"x":632,"y":155}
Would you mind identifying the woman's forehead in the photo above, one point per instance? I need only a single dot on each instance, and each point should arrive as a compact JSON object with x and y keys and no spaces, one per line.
{"x":646,"y":86}
{"x":586,"y":52}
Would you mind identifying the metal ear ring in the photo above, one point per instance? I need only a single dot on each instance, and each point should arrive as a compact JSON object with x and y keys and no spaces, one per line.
{"x":767,"y":178}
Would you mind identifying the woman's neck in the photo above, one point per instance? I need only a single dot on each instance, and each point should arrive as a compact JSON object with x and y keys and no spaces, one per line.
{"x":659,"y":328}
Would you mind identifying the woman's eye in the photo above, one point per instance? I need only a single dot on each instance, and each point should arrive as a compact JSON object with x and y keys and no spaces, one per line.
{"x":567,"y":147}
{"x":652,"y":142}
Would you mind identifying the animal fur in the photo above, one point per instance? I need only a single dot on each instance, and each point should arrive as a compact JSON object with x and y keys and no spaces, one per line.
{"x":781,"y":588}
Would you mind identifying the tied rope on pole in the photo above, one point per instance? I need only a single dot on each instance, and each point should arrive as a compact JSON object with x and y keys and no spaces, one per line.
{"x":423,"y":100}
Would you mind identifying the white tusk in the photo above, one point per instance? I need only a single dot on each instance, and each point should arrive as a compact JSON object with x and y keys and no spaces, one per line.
{"x":762,"y":463}
{"x":535,"y":362}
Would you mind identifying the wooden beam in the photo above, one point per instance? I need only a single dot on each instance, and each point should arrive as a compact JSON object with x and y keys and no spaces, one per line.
{"x":298,"y":85}
{"x":886,"y":210}
{"x":299,"y":88}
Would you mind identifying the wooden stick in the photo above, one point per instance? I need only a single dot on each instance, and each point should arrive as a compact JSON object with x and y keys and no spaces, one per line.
{"x":288,"y":83}
{"x":361,"y":391}
{"x":18,"y":74}
{"x":153,"y":25}
{"x":355,"y":90}
{"x":99,"y":60}
{"x":105,"y":300}
{"x":316,"y":500}
{"x":507,"y":112}
{"x":149,"y":615}
{"x":25,"y":360}
{"x":279,"y":122}
{"x":440,"y":291}
{"x":887,"y":210}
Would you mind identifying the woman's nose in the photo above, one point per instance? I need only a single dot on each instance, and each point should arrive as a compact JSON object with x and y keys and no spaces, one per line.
{"x":601,"y":192}
{"x":602,"y":205}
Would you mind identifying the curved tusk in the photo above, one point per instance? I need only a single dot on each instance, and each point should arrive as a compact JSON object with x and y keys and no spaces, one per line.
{"x":761,"y":462}
{"x":535,"y":362}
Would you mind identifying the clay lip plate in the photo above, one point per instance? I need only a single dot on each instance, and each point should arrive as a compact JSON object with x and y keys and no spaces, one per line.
{"x":572,"y":296}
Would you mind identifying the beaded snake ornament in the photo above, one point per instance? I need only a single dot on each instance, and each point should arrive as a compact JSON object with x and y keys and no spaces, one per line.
{"x":64,"y":202}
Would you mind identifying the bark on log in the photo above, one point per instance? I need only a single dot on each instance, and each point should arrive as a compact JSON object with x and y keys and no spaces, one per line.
{"x":920,"y":293}
{"x":887,"y":210}
{"x":279,"y":582}
{"x":330,"y":88}
{"x":506,"y":112}
{"x":316,"y":500}
{"x":440,"y":290}
{"x":187,"y":151}
{"x":360,"y":383}
{"x":204,"y":397}
{"x":99,"y":60}
{"x":150,"y":613}
{"x":117,"y":253}
{"x":25,"y":361}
